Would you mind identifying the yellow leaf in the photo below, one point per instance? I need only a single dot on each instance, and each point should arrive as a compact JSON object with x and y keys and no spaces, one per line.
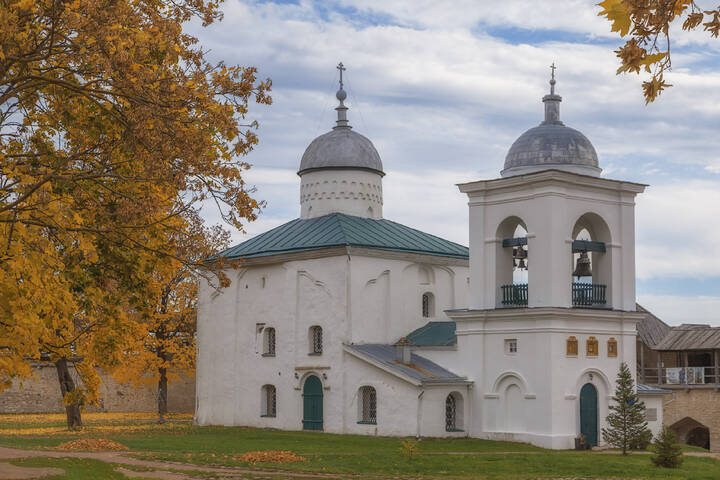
{"x":617,"y":14}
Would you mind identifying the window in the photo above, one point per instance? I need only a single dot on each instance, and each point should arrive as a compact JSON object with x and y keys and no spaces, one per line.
{"x":592,"y":347}
{"x":269,"y":342}
{"x":612,"y":347}
{"x":510,"y":346}
{"x":316,"y":340}
{"x":651,"y":414}
{"x":268,"y":404}
{"x":428,"y":305}
{"x":368,"y":405}
{"x":453,"y":412}
{"x":572,"y":346}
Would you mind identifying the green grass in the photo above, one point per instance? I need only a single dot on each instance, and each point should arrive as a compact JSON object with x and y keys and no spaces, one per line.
{"x":352,"y":454}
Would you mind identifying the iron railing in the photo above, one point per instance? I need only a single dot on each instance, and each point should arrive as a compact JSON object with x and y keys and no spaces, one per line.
{"x":515,"y":295}
{"x":588,"y":294}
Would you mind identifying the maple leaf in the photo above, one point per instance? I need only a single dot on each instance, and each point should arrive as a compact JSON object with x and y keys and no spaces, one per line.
{"x":617,"y":13}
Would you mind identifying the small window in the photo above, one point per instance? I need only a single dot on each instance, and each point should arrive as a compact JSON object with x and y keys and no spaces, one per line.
{"x":368,"y":405}
{"x":269,"y":342}
{"x":572,"y":347}
{"x":612,"y":347}
{"x":510,"y":346}
{"x":316,"y":340}
{"x":592,"y":347}
{"x":428,"y":305}
{"x":453,"y":412}
{"x":268,"y":401}
{"x":651,"y":414}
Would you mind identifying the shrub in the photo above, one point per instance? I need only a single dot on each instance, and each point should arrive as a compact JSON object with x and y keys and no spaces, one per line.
{"x":667,"y":453}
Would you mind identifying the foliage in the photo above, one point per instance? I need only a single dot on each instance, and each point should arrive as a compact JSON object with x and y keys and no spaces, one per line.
{"x":113,"y":127}
{"x":165,"y":348}
{"x":668,"y":453}
{"x":409,"y":448}
{"x":626,"y":420}
{"x":648,"y":23}
{"x":271,"y":456}
{"x":642,"y":441}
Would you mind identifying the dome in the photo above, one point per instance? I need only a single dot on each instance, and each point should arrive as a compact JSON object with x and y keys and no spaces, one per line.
{"x":551,"y":145}
{"x":341,"y":148}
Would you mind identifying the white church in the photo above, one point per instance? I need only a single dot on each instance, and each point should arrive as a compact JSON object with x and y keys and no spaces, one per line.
{"x":347,"y":322}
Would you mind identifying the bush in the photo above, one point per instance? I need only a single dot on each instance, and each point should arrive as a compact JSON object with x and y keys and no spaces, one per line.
{"x":667,"y":453}
{"x":642,"y":442}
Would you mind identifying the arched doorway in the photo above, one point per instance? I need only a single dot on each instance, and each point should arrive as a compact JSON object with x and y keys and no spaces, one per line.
{"x":312,"y":404}
{"x":589,"y":413}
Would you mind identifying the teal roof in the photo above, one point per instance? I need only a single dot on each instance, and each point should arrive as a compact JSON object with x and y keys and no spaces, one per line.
{"x":337,"y":229}
{"x":434,"y":334}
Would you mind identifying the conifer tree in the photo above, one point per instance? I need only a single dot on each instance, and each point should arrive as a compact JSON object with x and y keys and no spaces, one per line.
{"x":667,"y":453}
{"x":626,"y":420}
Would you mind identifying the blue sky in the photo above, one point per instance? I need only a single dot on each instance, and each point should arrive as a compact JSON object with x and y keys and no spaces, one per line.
{"x":443,"y":88}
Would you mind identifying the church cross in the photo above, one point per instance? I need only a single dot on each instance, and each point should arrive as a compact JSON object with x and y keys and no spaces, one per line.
{"x":342,"y":69}
{"x":552,"y":67}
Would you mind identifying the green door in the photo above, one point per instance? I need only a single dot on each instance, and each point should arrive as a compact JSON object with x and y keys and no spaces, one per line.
{"x":589,"y":413}
{"x":312,"y":404}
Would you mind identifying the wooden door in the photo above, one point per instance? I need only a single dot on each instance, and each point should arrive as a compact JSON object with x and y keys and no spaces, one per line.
{"x":312,"y":404}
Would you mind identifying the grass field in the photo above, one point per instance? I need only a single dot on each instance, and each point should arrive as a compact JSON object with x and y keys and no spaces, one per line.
{"x":180,"y":441}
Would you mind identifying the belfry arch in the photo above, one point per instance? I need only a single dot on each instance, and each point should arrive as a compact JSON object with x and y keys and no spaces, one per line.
{"x":511,"y":263}
{"x":592,"y":262}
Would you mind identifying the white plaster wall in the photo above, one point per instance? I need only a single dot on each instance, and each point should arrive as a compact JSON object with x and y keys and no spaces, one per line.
{"x":354,"y":192}
{"x":656,"y":402}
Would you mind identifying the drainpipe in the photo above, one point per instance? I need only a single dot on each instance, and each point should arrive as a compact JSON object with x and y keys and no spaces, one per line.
{"x":419,"y":414}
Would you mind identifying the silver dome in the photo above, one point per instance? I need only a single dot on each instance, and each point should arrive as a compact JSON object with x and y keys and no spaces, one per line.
{"x":341,"y":148}
{"x":551,"y":145}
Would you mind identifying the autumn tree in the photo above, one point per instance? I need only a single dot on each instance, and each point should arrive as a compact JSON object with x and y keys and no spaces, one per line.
{"x":113,"y":125}
{"x":165,"y":346}
{"x":648,"y":23}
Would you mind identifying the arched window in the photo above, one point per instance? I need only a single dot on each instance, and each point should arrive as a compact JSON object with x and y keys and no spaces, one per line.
{"x":453,"y":412}
{"x":268,"y":405}
{"x":571,"y":347}
{"x":316,"y":340}
{"x":428,"y":305}
{"x":612,"y":347}
{"x":592,"y":347}
{"x":368,"y":405}
{"x":269,"y":342}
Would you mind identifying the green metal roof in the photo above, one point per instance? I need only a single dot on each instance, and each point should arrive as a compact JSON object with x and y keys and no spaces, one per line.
{"x":337,"y":229}
{"x":434,"y":334}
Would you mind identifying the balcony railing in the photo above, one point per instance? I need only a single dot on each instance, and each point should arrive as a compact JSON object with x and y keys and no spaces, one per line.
{"x":677,"y":376}
{"x":588,"y":294}
{"x":515,"y":295}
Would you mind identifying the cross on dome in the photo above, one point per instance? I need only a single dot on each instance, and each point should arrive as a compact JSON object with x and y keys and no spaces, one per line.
{"x":552,"y":79}
{"x":341,"y":95}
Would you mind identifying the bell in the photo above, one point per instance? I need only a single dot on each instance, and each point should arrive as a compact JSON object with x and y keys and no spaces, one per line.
{"x":582,"y":268}
{"x":520,"y":253}
{"x":522,"y":265}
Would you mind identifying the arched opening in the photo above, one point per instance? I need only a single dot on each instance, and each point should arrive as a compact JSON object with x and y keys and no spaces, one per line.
{"x":589,"y":413}
{"x":454,"y":412}
{"x":312,"y":404}
{"x":367,"y":405}
{"x":691,"y":432}
{"x":513,"y":402}
{"x":315,"y":338}
{"x":512,"y":264}
{"x":592,"y":263}
{"x":428,"y":305}
{"x":268,"y":401}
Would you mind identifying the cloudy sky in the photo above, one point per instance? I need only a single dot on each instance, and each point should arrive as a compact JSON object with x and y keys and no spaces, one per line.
{"x":443,"y":88}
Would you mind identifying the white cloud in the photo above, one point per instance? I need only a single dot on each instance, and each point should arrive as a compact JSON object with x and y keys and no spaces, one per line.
{"x":675,"y":309}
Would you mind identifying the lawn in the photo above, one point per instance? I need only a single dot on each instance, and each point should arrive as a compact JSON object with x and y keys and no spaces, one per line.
{"x":179,"y":440}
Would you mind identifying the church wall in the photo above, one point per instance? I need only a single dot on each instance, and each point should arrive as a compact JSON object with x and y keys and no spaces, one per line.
{"x":353,"y":192}
{"x":387,"y":296}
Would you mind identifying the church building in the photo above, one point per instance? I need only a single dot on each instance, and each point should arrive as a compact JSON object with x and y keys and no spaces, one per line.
{"x":347,"y":322}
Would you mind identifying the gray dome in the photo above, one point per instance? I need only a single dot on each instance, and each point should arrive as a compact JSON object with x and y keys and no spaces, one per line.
{"x":341,"y":148}
{"x":551,"y":145}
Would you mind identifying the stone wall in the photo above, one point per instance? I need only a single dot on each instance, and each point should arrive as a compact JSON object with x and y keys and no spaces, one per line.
{"x":42,"y":394}
{"x":688,"y":410}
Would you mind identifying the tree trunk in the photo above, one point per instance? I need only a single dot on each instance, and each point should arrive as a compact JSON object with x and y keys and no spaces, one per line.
{"x":72,"y":411}
{"x":162,"y":394}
